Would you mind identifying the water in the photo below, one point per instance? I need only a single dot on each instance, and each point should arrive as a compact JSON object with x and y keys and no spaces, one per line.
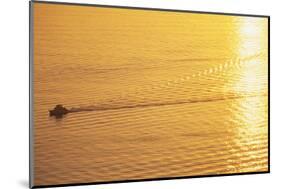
{"x":170,"y":94}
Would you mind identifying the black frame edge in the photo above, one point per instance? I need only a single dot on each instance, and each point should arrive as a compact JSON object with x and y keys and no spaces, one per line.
{"x":152,"y":179}
{"x":268,"y":71}
{"x":151,"y":9}
{"x":30,"y":136}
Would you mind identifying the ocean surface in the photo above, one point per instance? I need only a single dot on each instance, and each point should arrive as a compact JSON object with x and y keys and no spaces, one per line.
{"x":168,"y":94}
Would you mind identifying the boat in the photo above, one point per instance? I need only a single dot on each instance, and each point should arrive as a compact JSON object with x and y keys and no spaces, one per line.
{"x":58,"y":111}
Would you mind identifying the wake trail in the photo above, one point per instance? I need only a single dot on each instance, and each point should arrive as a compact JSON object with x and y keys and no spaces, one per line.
{"x":173,"y":92}
{"x":133,"y":106}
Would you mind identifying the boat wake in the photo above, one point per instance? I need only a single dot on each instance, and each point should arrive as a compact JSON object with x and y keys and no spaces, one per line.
{"x":170,"y":92}
{"x":59,"y":113}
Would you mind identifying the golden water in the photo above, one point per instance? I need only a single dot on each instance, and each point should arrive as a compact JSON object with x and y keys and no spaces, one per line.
{"x":180,"y":94}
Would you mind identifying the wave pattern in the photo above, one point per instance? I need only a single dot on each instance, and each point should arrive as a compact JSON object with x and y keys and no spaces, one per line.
{"x":106,"y":144}
{"x":187,"y":106}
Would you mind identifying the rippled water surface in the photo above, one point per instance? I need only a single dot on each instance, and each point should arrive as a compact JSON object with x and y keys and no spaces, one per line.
{"x":168,"y":94}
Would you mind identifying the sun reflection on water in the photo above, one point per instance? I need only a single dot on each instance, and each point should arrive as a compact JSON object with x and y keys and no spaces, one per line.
{"x":250,"y":113}
{"x":252,"y":33}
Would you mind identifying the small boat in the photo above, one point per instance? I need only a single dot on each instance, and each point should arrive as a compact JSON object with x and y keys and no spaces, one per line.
{"x":58,"y":111}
